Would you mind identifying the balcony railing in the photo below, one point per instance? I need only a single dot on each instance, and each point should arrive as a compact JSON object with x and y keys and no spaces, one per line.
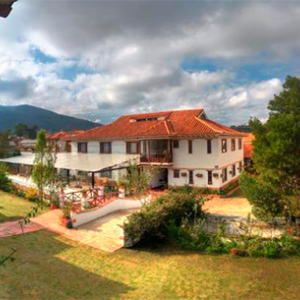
{"x":156,"y":158}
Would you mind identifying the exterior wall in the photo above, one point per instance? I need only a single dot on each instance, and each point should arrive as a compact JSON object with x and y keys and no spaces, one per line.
{"x":93,"y":214}
{"x":93,"y":147}
{"x":230,"y":156}
{"x":118,"y":147}
{"x":74,"y":148}
{"x":199,"y":158}
{"x":200,"y":162}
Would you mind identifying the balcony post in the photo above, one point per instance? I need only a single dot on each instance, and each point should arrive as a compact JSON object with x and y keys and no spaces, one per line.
{"x":148,"y":151}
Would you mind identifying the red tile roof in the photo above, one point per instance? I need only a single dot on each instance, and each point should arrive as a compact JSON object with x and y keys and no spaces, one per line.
{"x":248,"y":146}
{"x":63,"y":135}
{"x":248,"y":150}
{"x":159,"y":124}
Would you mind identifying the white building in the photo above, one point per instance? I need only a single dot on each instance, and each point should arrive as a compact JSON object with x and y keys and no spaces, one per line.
{"x":190,"y":148}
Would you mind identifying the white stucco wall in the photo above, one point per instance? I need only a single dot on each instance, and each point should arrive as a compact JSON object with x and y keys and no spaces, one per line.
{"x":118,"y":147}
{"x":93,"y":147}
{"x":74,"y":148}
{"x":230,"y":156}
{"x":93,"y":214}
{"x":200,"y":161}
{"x":199,"y":158}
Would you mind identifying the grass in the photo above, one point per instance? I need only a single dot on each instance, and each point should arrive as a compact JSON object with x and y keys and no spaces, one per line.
{"x":13,"y":208}
{"x":49,"y":266}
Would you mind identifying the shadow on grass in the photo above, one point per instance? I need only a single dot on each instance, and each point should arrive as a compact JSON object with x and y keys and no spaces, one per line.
{"x":4,"y":218}
{"x":50,"y":267}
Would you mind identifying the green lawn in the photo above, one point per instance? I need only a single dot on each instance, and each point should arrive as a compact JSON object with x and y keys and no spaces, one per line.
{"x":12,"y":207}
{"x":49,"y":266}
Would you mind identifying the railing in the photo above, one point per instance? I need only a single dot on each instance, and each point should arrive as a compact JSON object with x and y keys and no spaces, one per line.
{"x":156,"y":158}
{"x":95,"y":197}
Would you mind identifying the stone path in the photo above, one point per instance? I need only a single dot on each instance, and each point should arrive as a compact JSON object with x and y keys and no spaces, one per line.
{"x":13,"y":228}
{"x":105,"y":233}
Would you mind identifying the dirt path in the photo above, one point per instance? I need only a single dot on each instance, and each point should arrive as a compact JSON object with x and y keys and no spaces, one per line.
{"x":235,"y":207}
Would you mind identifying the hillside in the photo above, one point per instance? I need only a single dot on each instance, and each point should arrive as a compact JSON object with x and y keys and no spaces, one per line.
{"x":48,"y":120}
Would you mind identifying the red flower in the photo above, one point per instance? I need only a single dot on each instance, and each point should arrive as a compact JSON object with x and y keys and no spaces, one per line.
{"x":290,"y":231}
{"x":234,"y":251}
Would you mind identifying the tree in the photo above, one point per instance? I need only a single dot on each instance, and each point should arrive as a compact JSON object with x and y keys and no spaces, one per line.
{"x":5,"y":182}
{"x":4,"y":144}
{"x":22,"y":130}
{"x":43,"y":174}
{"x":138,"y":180}
{"x":276,"y":153}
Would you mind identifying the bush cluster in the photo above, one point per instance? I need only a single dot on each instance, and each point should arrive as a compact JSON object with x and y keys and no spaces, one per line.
{"x":150,"y":225}
{"x":205,"y":191}
{"x":5,"y":183}
{"x":193,"y":237}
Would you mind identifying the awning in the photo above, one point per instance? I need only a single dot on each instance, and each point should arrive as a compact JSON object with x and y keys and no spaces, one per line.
{"x":78,"y":161}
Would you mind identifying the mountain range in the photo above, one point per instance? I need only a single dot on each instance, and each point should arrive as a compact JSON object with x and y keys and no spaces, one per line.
{"x":10,"y":116}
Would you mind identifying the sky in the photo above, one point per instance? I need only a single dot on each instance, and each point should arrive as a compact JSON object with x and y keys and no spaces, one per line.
{"x":102,"y":59}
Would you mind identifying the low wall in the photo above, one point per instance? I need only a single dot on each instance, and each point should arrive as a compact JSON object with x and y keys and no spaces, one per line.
{"x":85,"y":216}
{"x":239,"y":226}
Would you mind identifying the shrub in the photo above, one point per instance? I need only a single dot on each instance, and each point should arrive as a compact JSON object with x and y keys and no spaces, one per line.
{"x":152,"y":223}
{"x":186,"y":189}
{"x":32,"y":194}
{"x":193,"y":237}
{"x":265,"y":200}
{"x":5,"y":182}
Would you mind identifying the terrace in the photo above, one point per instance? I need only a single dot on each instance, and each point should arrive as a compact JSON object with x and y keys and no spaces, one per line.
{"x":156,"y":151}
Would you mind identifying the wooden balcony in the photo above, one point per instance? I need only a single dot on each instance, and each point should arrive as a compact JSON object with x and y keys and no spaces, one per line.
{"x":157,"y":158}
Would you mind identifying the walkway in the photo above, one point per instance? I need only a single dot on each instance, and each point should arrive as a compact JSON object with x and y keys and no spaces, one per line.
{"x":233,"y":207}
{"x":105,"y":233}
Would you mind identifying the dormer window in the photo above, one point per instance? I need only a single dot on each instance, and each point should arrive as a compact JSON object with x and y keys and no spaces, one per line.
{"x":147,"y":119}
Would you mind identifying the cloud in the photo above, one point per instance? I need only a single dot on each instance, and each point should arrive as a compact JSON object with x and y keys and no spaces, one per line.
{"x":127,"y":56}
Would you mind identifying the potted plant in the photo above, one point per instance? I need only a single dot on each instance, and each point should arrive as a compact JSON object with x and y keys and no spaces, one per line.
{"x":54,"y":204}
{"x":84,"y":193}
{"x":66,"y":219}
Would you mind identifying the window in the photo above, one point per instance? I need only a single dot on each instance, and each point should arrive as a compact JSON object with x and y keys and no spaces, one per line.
{"x":190,"y":147}
{"x":209,"y":177}
{"x":132,"y":147}
{"x":176,"y":174}
{"x":240,"y":144}
{"x":233,"y":170}
{"x":105,"y":147}
{"x":176,"y":144}
{"x":191,"y":177}
{"x":82,"y":147}
{"x":224,"y":145}
{"x":208,"y":146}
{"x":224,"y":175}
{"x":232,"y":144}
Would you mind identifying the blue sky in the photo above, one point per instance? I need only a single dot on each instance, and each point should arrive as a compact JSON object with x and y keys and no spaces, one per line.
{"x":99,"y":59}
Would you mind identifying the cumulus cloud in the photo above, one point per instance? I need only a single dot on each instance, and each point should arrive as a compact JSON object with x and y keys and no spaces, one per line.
{"x":128,"y":56}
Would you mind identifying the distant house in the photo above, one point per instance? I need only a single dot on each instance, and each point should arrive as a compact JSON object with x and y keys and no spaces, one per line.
{"x":62,"y":139}
{"x":26,"y":145}
{"x":189,"y":148}
{"x":248,"y":148}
